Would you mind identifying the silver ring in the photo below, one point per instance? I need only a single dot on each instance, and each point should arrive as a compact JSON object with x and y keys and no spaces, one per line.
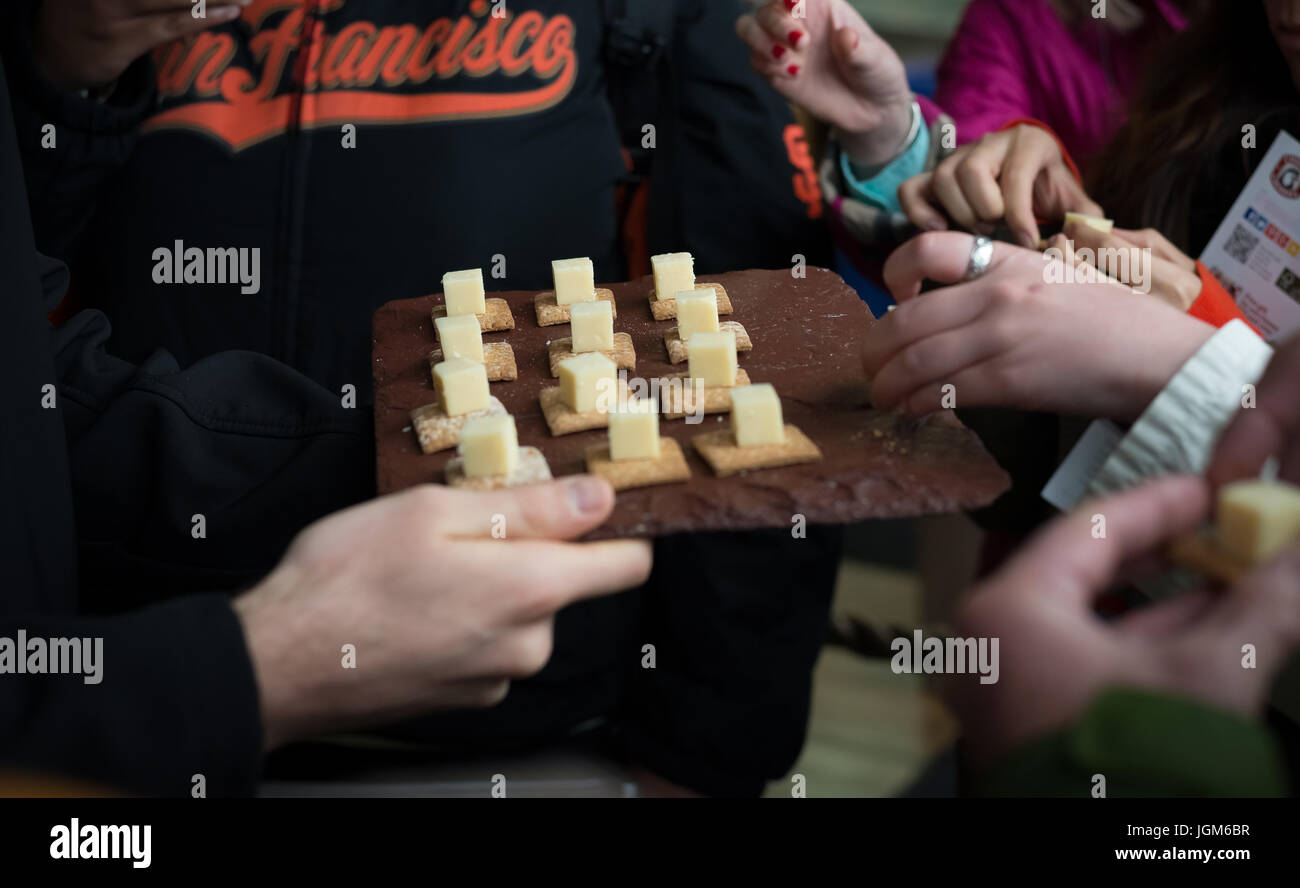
{"x":981,"y":256}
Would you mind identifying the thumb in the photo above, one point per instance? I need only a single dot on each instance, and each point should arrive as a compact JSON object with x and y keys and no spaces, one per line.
{"x":557,"y":510}
{"x":859,"y":53}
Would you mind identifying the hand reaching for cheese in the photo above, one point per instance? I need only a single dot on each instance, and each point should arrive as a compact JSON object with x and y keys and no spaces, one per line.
{"x":1056,"y":656}
{"x":1010,"y":339}
{"x":441,"y":611}
{"x":832,"y":64}
{"x":1269,"y":429}
{"x":1017,"y":174}
{"x":1140,"y":259}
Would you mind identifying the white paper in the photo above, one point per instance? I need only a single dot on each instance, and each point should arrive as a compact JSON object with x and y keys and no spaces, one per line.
{"x":1254,"y":253}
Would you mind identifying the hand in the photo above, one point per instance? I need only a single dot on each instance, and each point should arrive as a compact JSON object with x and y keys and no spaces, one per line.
{"x":87,"y":44}
{"x":1018,"y":175}
{"x":1055,"y":655}
{"x":831,"y":63}
{"x":1271,"y":428}
{"x":1144,"y":260}
{"x":1011,"y":339}
{"x":442,"y":614}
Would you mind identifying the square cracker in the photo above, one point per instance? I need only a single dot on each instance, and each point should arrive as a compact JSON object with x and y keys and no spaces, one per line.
{"x":678,"y":351}
{"x":550,"y":313}
{"x":668,"y":467}
{"x":496,"y":315}
{"x":532,"y":469}
{"x":1202,"y":553}
{"x":666,"y":309}
{"x":435,"y":430}
{"x":725,"y":457}
{"x":498,"y":359}
{"x":562,"y":420}
{"x":674,"y":400}
{"x":622,"y":354}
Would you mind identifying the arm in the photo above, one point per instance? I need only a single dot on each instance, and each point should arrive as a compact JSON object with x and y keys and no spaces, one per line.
{"x":175,"y":698}
{"x":982,"y":77}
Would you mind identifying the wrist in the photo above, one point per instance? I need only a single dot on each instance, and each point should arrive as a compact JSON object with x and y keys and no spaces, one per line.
{"x":284,"y":700}
{"x":883,"y":142}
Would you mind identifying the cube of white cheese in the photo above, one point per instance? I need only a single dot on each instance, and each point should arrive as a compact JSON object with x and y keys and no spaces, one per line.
{"x":575,"y":281}
{"x":460,"y":337}
{"x":1257,"y":519}
{"x":634,"y":430}
{"x":489,"y":445}
{"x":756,"y":415}
{"x":1102,"y":225}
{"x":674,"y":272}
{"x":588,"y":382}
{"x":697,"y":312}
{"x":592,"y":324}
{"x":462,"y":386}
{"x":713,"y":358}
{"x":463,"y":291}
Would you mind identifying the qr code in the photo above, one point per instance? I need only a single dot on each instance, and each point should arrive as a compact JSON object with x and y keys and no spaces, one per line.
{"x":1289,"y":284}
{"x":1242,"y":242}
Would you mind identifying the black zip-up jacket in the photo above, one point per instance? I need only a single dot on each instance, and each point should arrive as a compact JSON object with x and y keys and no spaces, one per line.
{"x":176,"y":696}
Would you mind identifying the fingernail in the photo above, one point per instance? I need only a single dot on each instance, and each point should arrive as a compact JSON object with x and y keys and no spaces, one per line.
{"x":792,"y":70}
{"x":854,"y":40}
{"x":777,"y":51}
{"x":934,"y":223}
{"x":1027,"y":240}
{"x":795,"y":37}
{"x":587,"y":495}
{"x":791,"y":4}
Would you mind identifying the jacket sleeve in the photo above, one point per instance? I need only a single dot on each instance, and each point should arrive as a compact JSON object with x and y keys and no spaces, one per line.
{"x":198,"y":478}
{"x":70,"y":144}
{"x":171,"y":699}
{"x":1145,"y":745}
{"x":982,"y":75}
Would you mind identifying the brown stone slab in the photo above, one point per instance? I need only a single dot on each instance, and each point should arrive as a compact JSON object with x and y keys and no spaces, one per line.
{"x":806,"y":334}
{"x":622,"y":474}
{"x":726,"y":457}
{"x":679,"y":351}
{"x":622,"y":354}
{"x":495,"y":318}
{"x":666,"y":309}
{"x":550,"y":312}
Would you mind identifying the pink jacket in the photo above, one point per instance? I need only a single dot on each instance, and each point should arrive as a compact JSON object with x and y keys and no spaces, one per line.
{"x":1016,"y":58}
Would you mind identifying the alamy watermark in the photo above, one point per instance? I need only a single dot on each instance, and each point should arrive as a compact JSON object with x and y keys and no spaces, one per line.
{"x":25,"y":655}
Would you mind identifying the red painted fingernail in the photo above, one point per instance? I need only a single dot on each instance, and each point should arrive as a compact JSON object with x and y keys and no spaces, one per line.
{"x":777,"y":51}
{"x":791,"y":4}
{"x":795,"y":37}
{"x":792,"y":70}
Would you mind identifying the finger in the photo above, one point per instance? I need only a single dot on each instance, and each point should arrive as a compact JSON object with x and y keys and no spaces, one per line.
{"x":928,"y":363}
{"x":1158,"y":244}
{"x":940,"y":256}
{"x":1263,"y":610}
{"x":1077,"y":556}
{"x":1105,"y":250}
{"x":917,"y":201}
{"x":1166,"y":617}
{"x":1024,"y":163}
{"x":134,"y":8}
{"x":523,"y":651}
{"x":780,"y":26}
{"x":541,"y":578}
{"x":948,"y":192}
{"x":164,"y":27}
{"x":558,"y":510}
{"x":977,"y":174}
{"x":1265,"y":430}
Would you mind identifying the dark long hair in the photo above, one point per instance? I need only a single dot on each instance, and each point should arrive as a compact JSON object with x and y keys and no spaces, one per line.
{"x":1179,"y":161}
